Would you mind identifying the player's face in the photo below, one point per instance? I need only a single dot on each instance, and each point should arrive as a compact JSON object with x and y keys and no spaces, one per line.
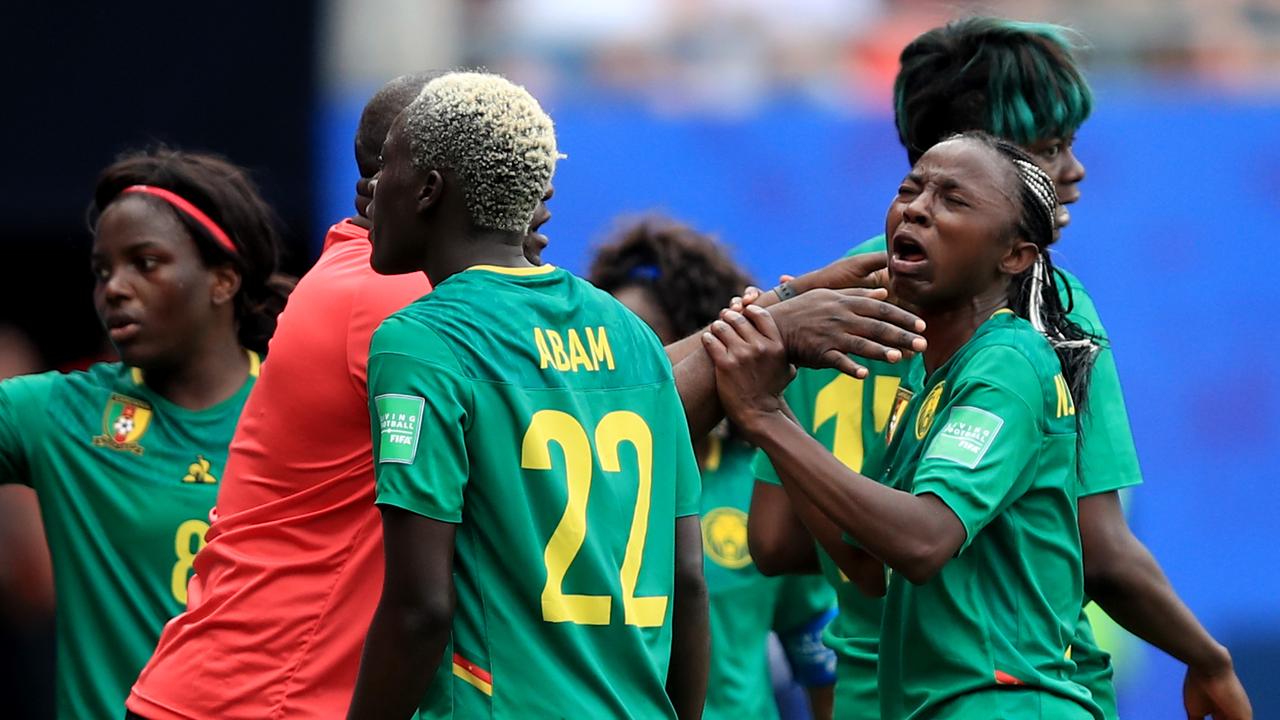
{"x":641,"y":301}
{"x":152,"y":291}
{"x":397,"y":235}
{"x":949,"y":226}
{"x":535,"y":242}
{"x":1056,"y":156}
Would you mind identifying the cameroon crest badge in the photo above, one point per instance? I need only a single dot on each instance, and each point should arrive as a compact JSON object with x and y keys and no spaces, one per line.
{"x":724,"y":537}
{"x":124,"y":422}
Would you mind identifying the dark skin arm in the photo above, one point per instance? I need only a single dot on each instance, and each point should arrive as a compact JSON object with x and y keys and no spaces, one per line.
{"x":819,"y":329}
{"x":779,"y":542}
{"x":690,"y":624}
{"x":914,"y":535}
{"x":412,"y":624}
{"x":822,"y":702}
{"x":1123,"y":577}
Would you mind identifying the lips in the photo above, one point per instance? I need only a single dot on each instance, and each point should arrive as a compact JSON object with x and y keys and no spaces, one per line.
{"x":907,"y":254}
{"x":122,"y":329}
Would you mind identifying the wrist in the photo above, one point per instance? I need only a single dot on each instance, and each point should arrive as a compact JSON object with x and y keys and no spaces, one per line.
{"x":760,"y":425}
{"x":1213,"y":661}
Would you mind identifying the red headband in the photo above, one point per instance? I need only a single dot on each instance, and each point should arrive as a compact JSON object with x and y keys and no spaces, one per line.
{"x":189,"y":210}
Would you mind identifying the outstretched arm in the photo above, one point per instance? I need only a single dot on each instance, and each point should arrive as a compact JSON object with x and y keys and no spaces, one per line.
{"x":411,"y":627}
{"x":818,"y":329}
{"x":1124,"y":579}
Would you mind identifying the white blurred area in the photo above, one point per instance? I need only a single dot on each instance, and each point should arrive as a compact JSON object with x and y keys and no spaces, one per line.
{"x":732,"y":56}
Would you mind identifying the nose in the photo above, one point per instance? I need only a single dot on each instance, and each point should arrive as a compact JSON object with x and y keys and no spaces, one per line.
{"x":916,"y":210}
{"x":1073,"y":172}
{"x":116,"y":288}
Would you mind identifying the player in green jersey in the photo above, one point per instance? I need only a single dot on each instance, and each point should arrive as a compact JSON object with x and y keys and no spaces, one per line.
{"x":125,"y":456}
{"x":537,"y":483}
{"x":977,"y":516}
{"x":1020,"y":81}
{"x":677,"y":280}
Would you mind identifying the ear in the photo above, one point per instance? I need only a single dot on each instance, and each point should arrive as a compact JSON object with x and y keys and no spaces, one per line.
{"x":1021,"y":255}
{"x":226,"y":283}
{"x":431,"y":192}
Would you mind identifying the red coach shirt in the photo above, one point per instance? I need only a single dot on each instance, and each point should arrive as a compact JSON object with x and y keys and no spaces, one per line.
{"x":286,"y":587}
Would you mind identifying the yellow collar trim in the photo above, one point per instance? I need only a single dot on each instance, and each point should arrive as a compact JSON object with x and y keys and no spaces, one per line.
{"x":1002,"y":311}
{"x":520,"y":272}
{"x":255,"y":367}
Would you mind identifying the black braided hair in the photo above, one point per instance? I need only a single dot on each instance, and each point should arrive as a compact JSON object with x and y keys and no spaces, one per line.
{"x":225,"y":193}
{"x":690,"y":275}
{"x":1037,"y":293}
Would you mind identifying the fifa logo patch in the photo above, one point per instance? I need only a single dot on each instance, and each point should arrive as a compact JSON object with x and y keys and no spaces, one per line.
{"x":124,"y":422}
{"x":724,"y":537}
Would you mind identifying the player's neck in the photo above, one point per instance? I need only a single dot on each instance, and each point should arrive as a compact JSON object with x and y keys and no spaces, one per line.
{"x":948,"y":329}
{"x":478,"y":247}
{"x":207,"y":376}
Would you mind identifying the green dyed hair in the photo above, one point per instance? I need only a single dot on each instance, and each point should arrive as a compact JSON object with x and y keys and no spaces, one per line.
{"x":1015,"y":80}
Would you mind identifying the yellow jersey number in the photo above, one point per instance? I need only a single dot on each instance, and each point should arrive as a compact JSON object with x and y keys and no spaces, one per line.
{"x":187,"y":541}
{"x":617,"y":427}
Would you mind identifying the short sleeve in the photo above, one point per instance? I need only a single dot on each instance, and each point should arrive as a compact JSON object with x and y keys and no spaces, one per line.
{"x":1108,"y":458}
{"x":983,"y":439}
{"x":420,"y":408}
{"x":800,"y":599}
{"x":688,"y":474}
{"x":762,"y":467}
{"x":23,"y":401}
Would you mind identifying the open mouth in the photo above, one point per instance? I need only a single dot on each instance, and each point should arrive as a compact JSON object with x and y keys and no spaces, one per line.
{"x":122,"y":330}
{"x":908,"y":250}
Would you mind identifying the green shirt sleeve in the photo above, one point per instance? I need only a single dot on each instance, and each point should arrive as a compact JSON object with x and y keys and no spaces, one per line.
{"x":688,"y":474}
{"x":763,"y":469}
{"x":22,"y":403}
{"x":983,"y":439}
{"x":800,"y":598}
{"x":420,"y":407}
{"x":1108,"y":458}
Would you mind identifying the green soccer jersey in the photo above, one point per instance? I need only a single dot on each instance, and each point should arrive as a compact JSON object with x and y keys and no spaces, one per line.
{"x":125,"y":480}
{"x":744,"y":605}
{"x":992,"y":434}
{"x":1108,"y":460}
{"x":847,"y":416}
{"x":541,"y":416}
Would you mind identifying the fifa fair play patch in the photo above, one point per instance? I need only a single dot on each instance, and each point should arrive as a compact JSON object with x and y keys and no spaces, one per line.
{"x":966,"y":437}
{"x":399,"y":422}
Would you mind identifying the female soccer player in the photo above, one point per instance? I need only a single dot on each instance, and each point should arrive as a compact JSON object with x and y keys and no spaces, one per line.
{"x":976,"y":516}
{"x":1020,"y":82}
{"x":677,"y":280}
{"x":125,"y":456}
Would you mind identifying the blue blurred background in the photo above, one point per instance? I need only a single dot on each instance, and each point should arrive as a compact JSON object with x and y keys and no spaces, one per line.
{"x":768,"y":124}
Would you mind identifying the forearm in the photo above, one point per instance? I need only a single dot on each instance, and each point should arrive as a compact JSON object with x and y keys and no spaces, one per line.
{"x":910,"y":534}
{"x":1135,"y":592}
{"x":862,"y":569}
{"x":821,"y":702}
{"x":690,"y":626}
{"x":402,"y":652}
{"x":695,"y":377}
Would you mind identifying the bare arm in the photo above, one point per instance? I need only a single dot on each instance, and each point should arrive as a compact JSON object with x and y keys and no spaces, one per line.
{"x":1124,"y":578}
{"x":819,"y":329}
{"x":779,"y":542}
{"x":690,"y":624}
{"x":915,"y":535}
{"x":411,"y":627}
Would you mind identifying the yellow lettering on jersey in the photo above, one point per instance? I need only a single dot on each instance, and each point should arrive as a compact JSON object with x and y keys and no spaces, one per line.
{"x":1066,"y":406}
{"x":600,"y":349}
{"x":578,"y":354}
{"x":565,"y":351}
{"x":544,"y":354}
{"x":561,"y":360}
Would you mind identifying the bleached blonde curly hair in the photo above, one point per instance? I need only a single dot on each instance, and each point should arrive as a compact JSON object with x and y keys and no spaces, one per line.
{"x":494,"y":135}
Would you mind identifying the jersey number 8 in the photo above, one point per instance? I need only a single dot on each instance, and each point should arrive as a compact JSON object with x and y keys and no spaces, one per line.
{"x":617,"y":427}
